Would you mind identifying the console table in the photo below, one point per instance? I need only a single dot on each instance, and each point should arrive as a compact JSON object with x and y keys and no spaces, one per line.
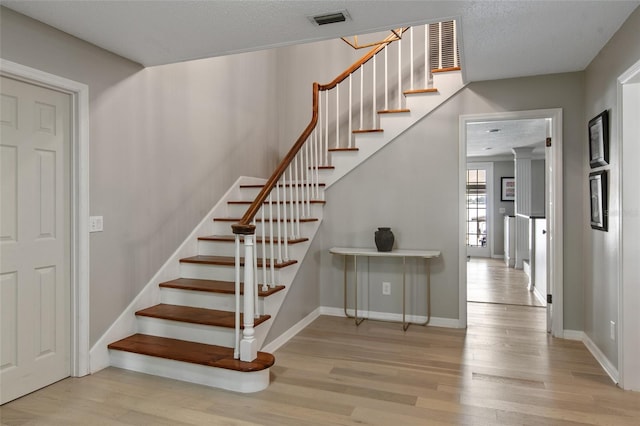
{"x":371,"y":252}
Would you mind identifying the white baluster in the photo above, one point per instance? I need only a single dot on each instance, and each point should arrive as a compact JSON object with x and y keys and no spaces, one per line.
{"x":236,"y":349}
{"x":284,"y":218}
{"x":426,"y":57}
{"x":411,"y":54}
{"x":307,"y":182}
{"x":375,"y":97}
{"x":264,"y":250}
{"x":272,"y":254}
{"x":317,"y":172}
{"x":291,"y":183}
{"x":350,"y":110}
{"x":337,"y":116}
{"x":278,"y":223}
{"x":249,"y":344}
{"x":362,"y":95}
{"x":455,"y":44}
{"x":326,"y":129}
{"x":297,"y":201}
{"x":439,"y":45}
{"x":386,"y":79}
{"x":400,"y":74}
{"x":319,"y":126}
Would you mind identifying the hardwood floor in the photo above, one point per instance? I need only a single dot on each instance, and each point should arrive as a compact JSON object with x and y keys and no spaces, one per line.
{"x":503,"y":370}
{"x":491,"y":281}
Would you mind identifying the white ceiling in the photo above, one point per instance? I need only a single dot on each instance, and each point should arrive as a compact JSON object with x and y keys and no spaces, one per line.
{"x":500,"y":39}
{"x":496,"y":138}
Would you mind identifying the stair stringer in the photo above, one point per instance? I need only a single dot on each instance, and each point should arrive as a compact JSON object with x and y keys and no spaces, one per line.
{"x":126,"y":324}
{"x":393,"y":125}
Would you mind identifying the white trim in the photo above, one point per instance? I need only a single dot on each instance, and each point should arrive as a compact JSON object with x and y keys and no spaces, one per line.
{"x":80,"y":303}
{"x":554,"y":207}
{"x":608,"y":367}
{"x":279,"y":341}
{"x":628,"y":339}
{"x":542,"y":298}
{"x":386,"y":316}
{"x":572,"y":335}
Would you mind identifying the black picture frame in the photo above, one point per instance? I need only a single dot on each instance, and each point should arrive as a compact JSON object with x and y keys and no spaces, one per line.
{"x":599,"y":140}
{"x":598,"y":194}
{"x":508,"y":189}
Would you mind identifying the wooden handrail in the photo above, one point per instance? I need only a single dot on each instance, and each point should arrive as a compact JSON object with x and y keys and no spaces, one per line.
{"x":244,"y":227}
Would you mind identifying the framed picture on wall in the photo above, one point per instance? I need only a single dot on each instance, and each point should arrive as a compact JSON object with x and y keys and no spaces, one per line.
{"x":599,"y":140}
{"x":599,"y":200}
{"x":508,"y":192}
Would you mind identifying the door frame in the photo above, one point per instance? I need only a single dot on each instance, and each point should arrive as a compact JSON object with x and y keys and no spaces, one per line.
{"x":553,"y":207}
{"x":628,"y":292}
{"x":488,"y":166}
{"x":79,"y":238}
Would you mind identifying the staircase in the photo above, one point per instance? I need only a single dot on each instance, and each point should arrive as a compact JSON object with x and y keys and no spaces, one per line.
{"x":273,"y":222}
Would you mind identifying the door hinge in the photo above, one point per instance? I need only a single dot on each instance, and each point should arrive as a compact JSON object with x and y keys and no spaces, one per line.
{"x":549,"y":298}
{"x":548,"y":142}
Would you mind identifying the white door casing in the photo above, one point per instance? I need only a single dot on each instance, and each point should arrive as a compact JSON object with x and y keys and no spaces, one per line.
{"x":79,"y":175}
{"x":34,"y":238}
{"x":553,"y":209}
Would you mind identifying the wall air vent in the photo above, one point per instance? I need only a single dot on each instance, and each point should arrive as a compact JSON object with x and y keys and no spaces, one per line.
{"x":330,"y":18}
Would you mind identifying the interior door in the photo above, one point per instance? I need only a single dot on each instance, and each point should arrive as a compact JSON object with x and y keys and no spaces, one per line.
{"x":34,"y":238}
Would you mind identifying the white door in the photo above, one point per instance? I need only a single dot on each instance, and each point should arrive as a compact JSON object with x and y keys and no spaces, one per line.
{"x":34,"y":238}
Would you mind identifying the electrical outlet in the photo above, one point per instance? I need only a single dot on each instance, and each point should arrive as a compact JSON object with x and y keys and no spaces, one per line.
{"x":95,"y":223}
{"x":612,"y":330}
{"x":386,"y":289}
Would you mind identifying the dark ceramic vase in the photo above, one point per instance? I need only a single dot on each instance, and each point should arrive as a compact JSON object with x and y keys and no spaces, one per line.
{"x":384,"y":239}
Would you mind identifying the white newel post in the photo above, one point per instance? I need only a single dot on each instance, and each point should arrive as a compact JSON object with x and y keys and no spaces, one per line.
{"x":248,"y":344}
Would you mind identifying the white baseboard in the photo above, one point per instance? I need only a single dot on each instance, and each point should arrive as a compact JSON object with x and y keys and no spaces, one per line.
{"x":277,"y":343}
{"x":611,"y":370}
{"x":541,"y":298}
{"x":386,"y":316}
{"x":604,"y":362}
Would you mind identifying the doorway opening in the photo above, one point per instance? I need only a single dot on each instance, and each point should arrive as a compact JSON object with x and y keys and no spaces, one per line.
{"x":524,"y":239}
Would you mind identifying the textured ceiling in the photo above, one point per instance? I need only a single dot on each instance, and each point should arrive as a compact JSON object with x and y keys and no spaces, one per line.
{"x":500,"y":39}
{"x":496,"y":138}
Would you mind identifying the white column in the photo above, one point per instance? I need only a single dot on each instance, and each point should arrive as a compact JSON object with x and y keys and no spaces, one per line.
{"x":522,"y":158}
{"x":248,"y":344}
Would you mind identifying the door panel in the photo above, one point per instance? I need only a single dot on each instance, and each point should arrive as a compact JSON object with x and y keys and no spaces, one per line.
{"x":34,"y":238}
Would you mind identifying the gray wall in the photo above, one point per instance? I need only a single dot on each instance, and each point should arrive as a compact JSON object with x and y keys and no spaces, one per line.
{"x":600,"y":254}
{"x":166,"y":143}
{"x":412,"y":186}
{"x":537,"y":188}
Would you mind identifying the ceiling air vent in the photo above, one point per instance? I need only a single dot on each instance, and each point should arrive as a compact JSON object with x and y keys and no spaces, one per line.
{"x":330,"y":18}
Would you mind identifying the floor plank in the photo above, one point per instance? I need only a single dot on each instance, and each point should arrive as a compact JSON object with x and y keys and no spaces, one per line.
{"x":503,"y":370}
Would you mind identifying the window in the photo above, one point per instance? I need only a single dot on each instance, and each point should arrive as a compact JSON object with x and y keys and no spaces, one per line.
{"x":476,"y":208}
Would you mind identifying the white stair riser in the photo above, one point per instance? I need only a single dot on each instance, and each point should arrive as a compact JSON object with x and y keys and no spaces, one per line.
{"x":217,"y":272}
{"x":221,"y":248}
{"x":220,"y":336}
{"x":235,"y":381}
{"x":203,"y":299}
{"x":307,"y":210}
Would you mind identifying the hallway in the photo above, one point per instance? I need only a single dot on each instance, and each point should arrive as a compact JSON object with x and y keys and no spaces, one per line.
{"x":491,"y":281}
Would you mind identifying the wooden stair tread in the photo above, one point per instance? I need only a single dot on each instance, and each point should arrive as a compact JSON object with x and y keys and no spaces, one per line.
{"x":191,"y":352}
{"x":231,"y":261}
{"x":343,"y":149}
{"x":232,"y":239}
{"x":281,"y":202}
{"x":259,"y":185}
{"x":417,"y":91}
{"x":215,"y":286}
{"x":368,"y":131}
{"x":237,"y":219}
{"x":192,"y":315}
{"x":445,"y":70}
{"x":393,"y":111}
